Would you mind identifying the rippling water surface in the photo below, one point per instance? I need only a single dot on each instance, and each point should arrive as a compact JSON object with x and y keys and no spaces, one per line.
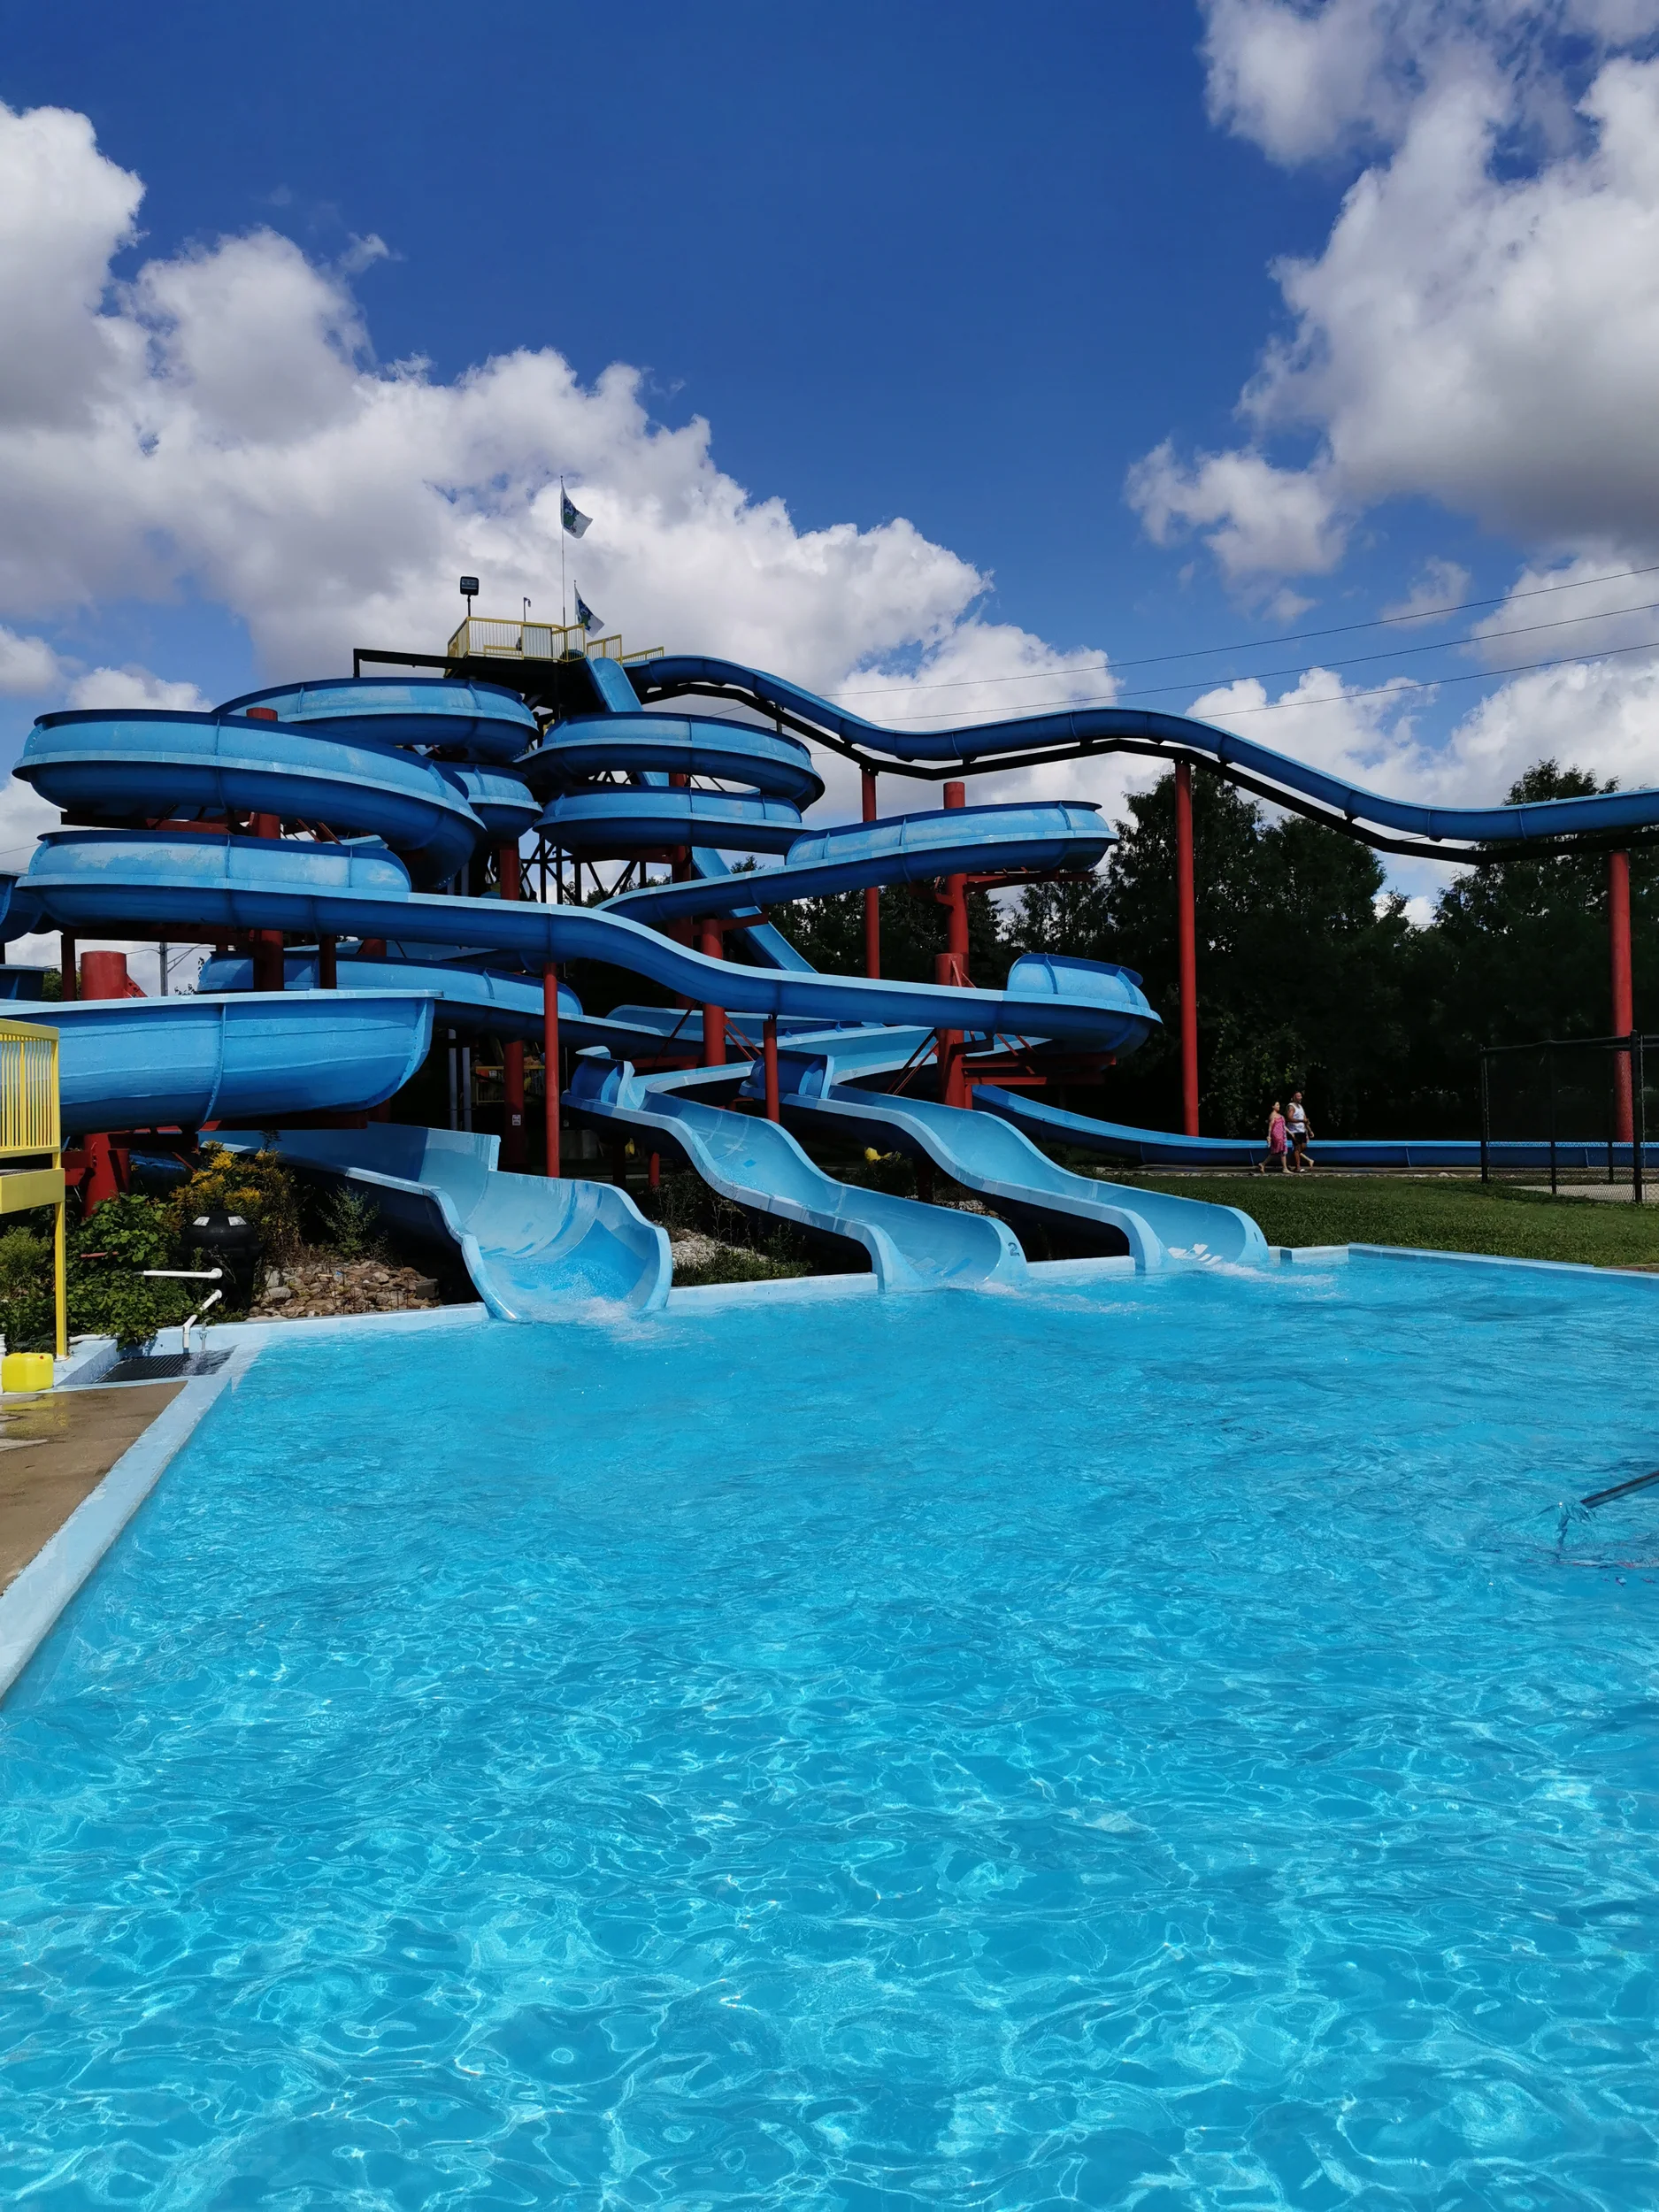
{"x":1134,"y":1745}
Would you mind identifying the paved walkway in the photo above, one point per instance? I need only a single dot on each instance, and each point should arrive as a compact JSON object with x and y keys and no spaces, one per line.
{"x":54,"y":1450}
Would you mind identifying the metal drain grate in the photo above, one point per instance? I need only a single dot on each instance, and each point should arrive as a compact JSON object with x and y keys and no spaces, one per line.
{"x":163,"y":1367}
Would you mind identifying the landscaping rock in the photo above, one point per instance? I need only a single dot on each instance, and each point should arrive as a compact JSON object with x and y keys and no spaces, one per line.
{"x":317,"y":1287}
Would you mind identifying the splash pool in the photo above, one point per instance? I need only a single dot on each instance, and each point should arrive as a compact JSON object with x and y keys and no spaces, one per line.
{"x":1134,"y":1744}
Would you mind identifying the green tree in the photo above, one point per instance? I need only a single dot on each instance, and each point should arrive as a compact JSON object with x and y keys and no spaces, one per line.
{"x":1518,"y":948}
{"x":1300,"y":962}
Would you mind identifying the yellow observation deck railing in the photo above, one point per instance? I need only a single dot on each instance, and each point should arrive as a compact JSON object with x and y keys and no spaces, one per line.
{"x":32,"y":1142}
{"x":482,"y":637}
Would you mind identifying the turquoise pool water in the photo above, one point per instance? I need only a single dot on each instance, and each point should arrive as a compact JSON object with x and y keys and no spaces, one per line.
{"x":1126,"y":1746}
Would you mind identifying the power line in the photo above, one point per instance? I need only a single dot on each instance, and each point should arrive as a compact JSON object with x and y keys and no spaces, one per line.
{"x":1289,"y":637}
{"x":1470,"y":676}
{"x":1279,"y":706}
{"x":1399,"y":652}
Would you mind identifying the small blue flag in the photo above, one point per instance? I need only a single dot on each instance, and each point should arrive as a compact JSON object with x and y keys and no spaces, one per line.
{"x":585,"y":614}
{"x":570,"y":515}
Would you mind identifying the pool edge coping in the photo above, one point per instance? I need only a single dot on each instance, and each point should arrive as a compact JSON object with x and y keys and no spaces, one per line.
{"x":1498,"y":1259}
{"x":31,"y":1607}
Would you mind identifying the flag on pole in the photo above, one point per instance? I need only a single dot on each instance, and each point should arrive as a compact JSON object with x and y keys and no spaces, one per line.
{"x":585,"y":614}
{"x":570,"y":515}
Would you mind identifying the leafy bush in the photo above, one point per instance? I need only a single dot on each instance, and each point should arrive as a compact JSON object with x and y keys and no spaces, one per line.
{"x":350,"y":1222}
{"x":730,"y":1265}
{"x":254,"y":1185}
{"x":108,"y":1295}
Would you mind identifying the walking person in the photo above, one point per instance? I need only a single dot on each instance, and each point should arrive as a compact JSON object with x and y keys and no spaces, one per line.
{"x":1278,"y":1141}
{"x":1301,"y":1131}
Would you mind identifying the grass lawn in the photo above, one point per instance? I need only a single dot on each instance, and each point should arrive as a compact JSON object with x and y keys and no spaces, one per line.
{"x":1442,"y":1216}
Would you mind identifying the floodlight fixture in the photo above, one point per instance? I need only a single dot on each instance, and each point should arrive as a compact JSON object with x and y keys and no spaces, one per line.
{"x":469,"y":590}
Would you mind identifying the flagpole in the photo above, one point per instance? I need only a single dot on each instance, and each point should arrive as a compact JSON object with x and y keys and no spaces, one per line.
{"x":564,"y":607}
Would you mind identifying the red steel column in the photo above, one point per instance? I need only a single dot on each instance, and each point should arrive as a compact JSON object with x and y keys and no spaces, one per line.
{"x":550,"y":1062}
{"x":713,"y":1016}
{"x":873,"y":895}
{"x":1624,"y":1001}
{"x":512,"y":1144}
{"x":772,"y":1112}
{"x":103,"y":975}
{"x":328,"y":964}
{"x":952,"y":967}
{"x":269,"y":970}
{"x":1188,"y":921}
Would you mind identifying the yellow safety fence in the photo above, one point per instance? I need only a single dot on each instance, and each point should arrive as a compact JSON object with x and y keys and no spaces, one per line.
{"x":32,"y":1142}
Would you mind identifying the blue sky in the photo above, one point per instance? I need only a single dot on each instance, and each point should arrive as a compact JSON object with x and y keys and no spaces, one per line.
{"x":990,"y":272}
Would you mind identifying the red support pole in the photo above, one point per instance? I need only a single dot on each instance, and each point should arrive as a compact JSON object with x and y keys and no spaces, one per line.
{"x":1188,"y":921}
{"x":772,"y":1111}
{"x":328,"y":964}
{"x":512,"y":1143}
{"x":1623,"y":999}
{"x":873,"y":895}
{"x":103,"y":975}
{"x":269,"y":970}
{"x":550,"y":1062}
{"x":951,"y":967}
{"x":713,"y":1016}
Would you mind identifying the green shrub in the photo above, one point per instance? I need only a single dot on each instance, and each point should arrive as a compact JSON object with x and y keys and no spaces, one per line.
{"x":254,"y":1185}
{"x":730,"y":1265}
{"x":108,"y":1294}
{"x":108,"y":1252}
{"x":351,"y":1223}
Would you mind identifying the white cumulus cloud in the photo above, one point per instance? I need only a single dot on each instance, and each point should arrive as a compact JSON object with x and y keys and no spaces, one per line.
{"x":1481,"y":328}
{"x":132,"y":687}
{"x":27,"y":665}
{"x":217,"y":422}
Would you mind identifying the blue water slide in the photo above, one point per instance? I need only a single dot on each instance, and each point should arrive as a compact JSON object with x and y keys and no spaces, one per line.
{"x":618,"y":820}
{"x":145,"y":1064}
{"x":992,"y":1158}
{"x":758,"y":1165}
{"x":133,"y":884}
{"x":500,"y":802}
{"x":1158,"y":1147}
{"x":1107,"y":729}
{"x":464,"y":722}
{"x":536,"y":1250}
{"x":573,"y":753}
{"x":476,"y":1001}
{"x":141,"y":764}
{"x":1042,"y":835}
{"x":767,"y":944}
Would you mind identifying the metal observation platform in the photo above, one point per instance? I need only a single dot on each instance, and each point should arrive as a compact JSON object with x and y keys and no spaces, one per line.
{"x":419,"y":849}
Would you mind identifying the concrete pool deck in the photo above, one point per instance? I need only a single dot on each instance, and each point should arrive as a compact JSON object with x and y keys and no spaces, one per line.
{"x":56,"y":1448}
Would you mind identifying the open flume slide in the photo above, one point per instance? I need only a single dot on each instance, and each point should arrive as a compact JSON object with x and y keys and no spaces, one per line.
{"x":760,"y":1166}
{"x":536,"y":1250}
{"x":126,"y":883}
{"x":993,"y":1160}
{"x":177,"y":1063}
